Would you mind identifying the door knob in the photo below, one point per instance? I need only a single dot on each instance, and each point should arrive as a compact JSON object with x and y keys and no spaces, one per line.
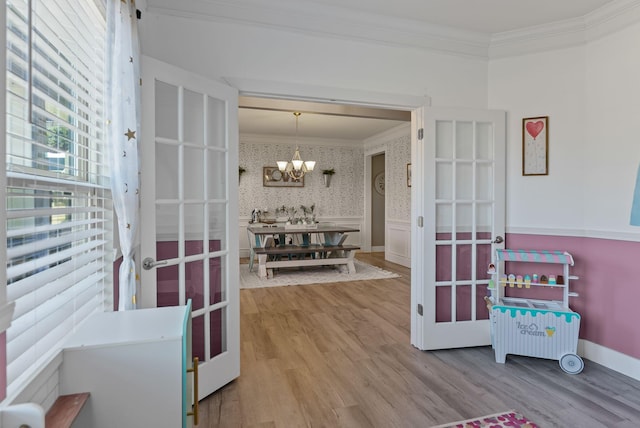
{"x":149,"y":263}
{"x":499,"y":240}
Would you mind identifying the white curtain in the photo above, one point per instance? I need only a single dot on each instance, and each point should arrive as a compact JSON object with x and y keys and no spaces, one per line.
{"x":123,"y":129}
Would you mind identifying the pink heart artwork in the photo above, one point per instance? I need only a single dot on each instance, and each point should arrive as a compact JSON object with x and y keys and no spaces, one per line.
{"x":534,"y":128}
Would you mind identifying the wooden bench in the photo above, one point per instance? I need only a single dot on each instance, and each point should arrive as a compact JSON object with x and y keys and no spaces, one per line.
{"x":65,"y":410}
{"x":295,"y":255}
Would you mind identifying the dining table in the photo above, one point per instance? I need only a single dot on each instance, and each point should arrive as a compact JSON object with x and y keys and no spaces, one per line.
{"x":300,"y":245}
{"x":328,"y":234}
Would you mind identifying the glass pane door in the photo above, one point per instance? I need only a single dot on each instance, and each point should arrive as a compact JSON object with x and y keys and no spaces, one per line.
{"x":187,"y":224}
{"x":464,"y":153}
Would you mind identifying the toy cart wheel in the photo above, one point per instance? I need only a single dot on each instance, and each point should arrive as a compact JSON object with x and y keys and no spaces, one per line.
{"x":571,"y":363}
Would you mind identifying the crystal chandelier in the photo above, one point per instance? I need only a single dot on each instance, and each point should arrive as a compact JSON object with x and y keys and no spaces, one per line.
{"x":296,"y":167}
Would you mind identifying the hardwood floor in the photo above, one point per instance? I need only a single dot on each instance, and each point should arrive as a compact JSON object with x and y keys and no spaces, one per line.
{"x":338,"y":355}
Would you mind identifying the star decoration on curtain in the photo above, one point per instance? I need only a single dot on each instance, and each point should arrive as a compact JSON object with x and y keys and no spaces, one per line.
{"x":130,"y":134}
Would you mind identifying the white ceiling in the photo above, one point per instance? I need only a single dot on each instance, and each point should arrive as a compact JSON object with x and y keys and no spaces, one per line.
{"x":269,"y":122}
{"x":486,"y":16}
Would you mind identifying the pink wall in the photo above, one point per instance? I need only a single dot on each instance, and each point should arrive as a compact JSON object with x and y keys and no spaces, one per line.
{"x":609,"y":286}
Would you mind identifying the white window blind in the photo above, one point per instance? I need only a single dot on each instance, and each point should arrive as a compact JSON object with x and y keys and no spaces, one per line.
{"x":59,"y":219}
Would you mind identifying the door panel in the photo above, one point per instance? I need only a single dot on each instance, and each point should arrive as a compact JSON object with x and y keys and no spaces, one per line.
{"x":189,"y":208}
{"x":462,"y":159}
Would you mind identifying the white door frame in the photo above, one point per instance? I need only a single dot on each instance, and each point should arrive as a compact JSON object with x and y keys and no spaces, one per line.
{"x":301,"y":92}
{"x":415,"y":104}
{"x":366,"y":233}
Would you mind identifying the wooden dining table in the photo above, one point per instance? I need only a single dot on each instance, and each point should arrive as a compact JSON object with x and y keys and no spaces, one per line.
{"x":332,"y":234}
{"x":290,"y":245}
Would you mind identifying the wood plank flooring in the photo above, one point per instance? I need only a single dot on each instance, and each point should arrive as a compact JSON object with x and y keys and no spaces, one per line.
{"x":338,"y":355}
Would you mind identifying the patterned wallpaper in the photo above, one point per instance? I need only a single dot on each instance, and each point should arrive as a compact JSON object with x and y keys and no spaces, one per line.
{"x":344,"y":197}
{"x":397,"y":156}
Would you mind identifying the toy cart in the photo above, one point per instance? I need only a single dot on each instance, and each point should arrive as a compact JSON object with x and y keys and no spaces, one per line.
{"x":529,"y":327}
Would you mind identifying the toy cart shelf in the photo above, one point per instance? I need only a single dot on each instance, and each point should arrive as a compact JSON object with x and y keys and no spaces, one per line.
{"x":534,"y":327}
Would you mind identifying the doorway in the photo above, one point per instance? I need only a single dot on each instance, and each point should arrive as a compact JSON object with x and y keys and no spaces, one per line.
{"x":339,"y":137}
{"x":378,"y":203}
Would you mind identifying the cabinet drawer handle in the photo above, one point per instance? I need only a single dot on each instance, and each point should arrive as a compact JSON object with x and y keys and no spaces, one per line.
{"x":195,"y":390}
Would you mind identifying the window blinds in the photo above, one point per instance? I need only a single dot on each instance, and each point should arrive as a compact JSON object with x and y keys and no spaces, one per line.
{"x":59,"y":217}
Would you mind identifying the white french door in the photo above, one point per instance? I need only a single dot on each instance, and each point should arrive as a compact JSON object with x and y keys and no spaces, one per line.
{"x":459,"y":210}
{"x":189,"y":211}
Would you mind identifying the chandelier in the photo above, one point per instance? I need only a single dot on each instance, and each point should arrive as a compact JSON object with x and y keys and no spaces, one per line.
{"x":296,"y":167}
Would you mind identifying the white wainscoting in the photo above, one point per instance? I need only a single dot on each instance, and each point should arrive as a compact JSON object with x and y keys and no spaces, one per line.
{"x":398,"y":242}
{"x":355,"y":238}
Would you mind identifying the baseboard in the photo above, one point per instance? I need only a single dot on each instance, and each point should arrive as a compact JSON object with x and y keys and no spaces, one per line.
{"x":377,"y":249}
{"x":614,"y":360}
{"x":399,"y":260}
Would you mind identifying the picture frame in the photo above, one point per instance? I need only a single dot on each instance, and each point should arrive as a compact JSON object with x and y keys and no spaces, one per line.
{"x":408,"y":175}
{"x":535,"y":145}
{"x":273,"y":177}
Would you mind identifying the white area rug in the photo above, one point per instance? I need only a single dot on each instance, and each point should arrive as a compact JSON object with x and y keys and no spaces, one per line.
{"x":310,"y":275}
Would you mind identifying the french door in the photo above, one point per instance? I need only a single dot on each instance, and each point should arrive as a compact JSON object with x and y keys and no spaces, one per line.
{"x":189,"y":211}
{"x":459,"y":213}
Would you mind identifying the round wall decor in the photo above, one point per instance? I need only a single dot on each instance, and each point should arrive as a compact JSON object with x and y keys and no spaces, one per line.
{"x":378,"y":183}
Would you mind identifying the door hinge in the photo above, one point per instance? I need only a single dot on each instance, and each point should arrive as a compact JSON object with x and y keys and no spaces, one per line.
{"x":420,"y":221}
{"x":420,"y":133}
{"x":420,"y":309}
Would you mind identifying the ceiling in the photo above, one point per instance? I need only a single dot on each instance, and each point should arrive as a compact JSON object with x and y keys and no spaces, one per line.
{"x":486,"y":16}
{"x":274,"y":117}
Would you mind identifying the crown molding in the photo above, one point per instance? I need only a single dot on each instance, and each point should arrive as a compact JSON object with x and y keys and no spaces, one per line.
{"x":608,"y":19}
{"x":337,"y":22}
{"x":331,"y":21}
{"x":612,"y":18}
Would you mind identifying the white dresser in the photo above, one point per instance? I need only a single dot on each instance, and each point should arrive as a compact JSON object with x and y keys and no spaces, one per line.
{"x":134,"y":364}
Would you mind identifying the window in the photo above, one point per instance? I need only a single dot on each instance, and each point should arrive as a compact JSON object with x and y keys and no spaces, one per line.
{"x":59,"y":216}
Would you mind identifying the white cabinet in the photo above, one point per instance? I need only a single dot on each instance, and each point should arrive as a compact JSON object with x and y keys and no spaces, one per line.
{"x":134,"y":364}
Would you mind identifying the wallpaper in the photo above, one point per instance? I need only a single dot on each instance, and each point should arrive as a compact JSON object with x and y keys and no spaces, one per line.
{"x":397,"y":156}
{"x":344,"y":197}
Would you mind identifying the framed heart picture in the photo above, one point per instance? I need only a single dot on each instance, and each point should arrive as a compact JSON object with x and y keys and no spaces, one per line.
{"x":535,"y":145}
